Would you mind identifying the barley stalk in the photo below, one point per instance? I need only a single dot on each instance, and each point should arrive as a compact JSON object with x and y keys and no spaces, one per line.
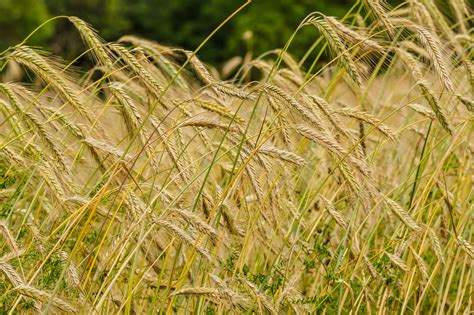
{"x":44,"y":297}
{"x":403,"y":215}
{"x":421,"y":264}
{"x":42,"y":67}
{"x":9,"y":237}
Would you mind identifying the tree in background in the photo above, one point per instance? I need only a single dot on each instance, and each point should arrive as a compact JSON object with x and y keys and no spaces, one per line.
{"x":183,"y":23}
{"x":19,"y":17}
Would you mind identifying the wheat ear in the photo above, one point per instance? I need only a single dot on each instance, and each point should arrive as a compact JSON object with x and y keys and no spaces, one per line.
{"x":44,"y":297}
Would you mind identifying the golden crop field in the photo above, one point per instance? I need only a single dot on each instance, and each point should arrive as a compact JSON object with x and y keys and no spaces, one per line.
{"x":147,"y":182}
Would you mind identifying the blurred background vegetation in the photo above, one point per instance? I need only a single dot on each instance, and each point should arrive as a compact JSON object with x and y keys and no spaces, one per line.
{"x":183,"y":23}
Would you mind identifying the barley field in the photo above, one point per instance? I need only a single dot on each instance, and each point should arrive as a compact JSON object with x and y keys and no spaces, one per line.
{"x":148,"y":182}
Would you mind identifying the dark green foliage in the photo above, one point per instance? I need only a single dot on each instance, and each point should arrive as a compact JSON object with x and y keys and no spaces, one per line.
{"x":10,"y":180}
{"x":19,"y":17}
{"x":183,"y":23}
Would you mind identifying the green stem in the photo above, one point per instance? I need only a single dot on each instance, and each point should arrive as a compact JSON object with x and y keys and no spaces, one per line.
{"x":419,"y":169}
